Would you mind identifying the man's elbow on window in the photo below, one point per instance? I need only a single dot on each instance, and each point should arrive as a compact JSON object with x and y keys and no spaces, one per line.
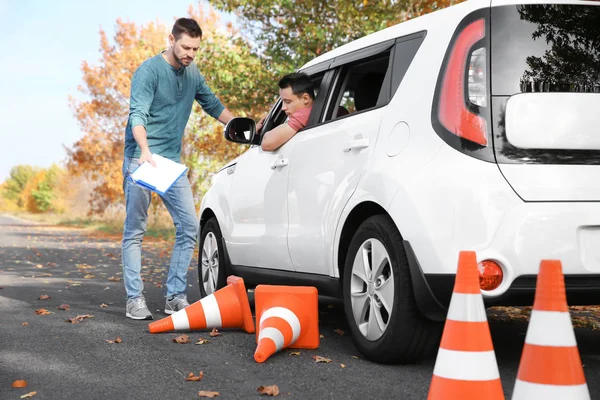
{"x":271,"y":145}
{"x":270,"y":142}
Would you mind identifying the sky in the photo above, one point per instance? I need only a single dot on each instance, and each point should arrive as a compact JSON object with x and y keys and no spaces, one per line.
{"x":43,"y":43}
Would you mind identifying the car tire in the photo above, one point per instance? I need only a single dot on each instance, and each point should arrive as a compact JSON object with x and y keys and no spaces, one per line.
{"x":403,"y":335}
{"x":212,"y":268}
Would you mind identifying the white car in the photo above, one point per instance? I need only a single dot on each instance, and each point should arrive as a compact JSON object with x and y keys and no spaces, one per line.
{"x":476,"y":127}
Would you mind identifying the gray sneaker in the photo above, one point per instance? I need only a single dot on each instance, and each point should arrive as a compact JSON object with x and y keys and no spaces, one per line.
{"x":137,"y":309}
{"x":177,"y":303}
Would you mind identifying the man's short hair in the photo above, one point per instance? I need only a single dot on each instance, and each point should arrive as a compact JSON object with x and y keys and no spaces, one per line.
{"x":299,"y":82}
{"x":188,"y":26}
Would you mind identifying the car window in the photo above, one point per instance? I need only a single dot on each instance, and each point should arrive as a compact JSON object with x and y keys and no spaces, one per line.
{"x":278,"y":117}
{"x":359,"y":87}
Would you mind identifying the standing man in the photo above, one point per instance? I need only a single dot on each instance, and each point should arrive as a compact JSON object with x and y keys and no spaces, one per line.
{"x":163,"y":90}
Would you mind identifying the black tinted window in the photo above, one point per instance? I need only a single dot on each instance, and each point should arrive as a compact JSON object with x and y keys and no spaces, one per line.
{"x":545,"y":48}
{"x":360,"y":87}
{"x":405,"y":51}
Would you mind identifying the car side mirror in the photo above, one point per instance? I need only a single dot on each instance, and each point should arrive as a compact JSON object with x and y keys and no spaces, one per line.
{"x":240,"y":130}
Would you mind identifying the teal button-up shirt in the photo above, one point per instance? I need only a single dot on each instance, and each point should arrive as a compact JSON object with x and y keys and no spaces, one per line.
{"x":161,"y":100}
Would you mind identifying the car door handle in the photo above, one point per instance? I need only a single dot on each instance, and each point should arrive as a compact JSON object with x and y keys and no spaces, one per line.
{"x":356,"y":144}
{"x":280,"y":163}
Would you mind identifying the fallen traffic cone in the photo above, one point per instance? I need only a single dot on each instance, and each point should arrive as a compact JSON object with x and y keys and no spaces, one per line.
{"x":226,"y":308}
{"x":550,"y":366}
{"x":287,"y":316}
{"x":466,"y":366}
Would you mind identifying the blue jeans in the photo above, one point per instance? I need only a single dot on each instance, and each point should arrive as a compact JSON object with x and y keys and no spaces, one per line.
{"x":179,"y":202}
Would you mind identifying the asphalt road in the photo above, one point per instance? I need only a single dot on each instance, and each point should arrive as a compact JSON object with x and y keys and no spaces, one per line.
{"x":61,"y":360}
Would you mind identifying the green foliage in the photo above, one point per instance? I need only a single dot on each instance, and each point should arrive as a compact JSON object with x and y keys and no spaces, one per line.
{"x":33,"y":189}
{"x":290,"y":33}
{"x":16,"y":182}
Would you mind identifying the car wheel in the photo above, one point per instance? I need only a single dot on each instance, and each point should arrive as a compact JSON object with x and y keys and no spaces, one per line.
{"x":379,"y":302}
{"x":212,"y":271}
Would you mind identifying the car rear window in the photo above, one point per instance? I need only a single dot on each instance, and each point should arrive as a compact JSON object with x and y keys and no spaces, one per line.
{"x":545,"y":48}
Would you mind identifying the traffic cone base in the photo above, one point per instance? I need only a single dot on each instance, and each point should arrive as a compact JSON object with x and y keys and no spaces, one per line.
{"x":550,"y":366}
{"x":287,"y":317}
{"x":523,"y":390}
{"x":305,"y":296}
{"x":466,"y":367}
{"x":226,"y":308}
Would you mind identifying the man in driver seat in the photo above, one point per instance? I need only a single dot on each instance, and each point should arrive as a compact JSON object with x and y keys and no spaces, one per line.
{"x":297,"y":96}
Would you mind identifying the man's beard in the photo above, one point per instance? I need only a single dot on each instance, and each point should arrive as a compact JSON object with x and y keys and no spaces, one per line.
{"x":179,"y":61}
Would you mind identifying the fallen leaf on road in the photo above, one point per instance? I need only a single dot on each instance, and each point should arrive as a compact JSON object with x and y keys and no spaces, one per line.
{"x":109,"y":255}
{"x":89,"y":276}
{"x":43,"y":311}
{"x":339,"y":332}
{"x":20,"y":383}
{"x":103,"y":305}
{"x":202,"y":341}
{"x":214,"y":333}
{"x":193,"y":378}
{"x":30,"y":394}
{"x":117,"y":340}
{"x":25,"y":323}
{"x":355,"y":357}
{"x":203,"y":393}
{"x":114,"y":279}
{"x":321,"y":337}
{"x":64,"y":307}
{"x":268,"y":390}
{"x":39,"y":266}
{"x":79,"y":318}
{"x":320,"y":359}
{"x":343,"y":365}
{"x":44,"y":297}
{"x":295,"y":353}
{"x":183,"y":339}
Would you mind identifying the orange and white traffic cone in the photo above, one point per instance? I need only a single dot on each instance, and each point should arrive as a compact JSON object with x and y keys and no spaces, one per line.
{"x":550,"y":366}
{"x":226,"y":308}
{"x":287,"y":316}
{"x":466,"y":366}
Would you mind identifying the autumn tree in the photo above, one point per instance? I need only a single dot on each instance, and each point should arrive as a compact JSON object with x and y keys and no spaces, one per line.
{"x":233,"y":72}
{"x":14,"y":185}
{"x":103,"y":115}
{"x":291,"y":33}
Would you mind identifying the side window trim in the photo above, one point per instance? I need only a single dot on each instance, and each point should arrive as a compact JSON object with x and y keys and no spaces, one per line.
{"x":321,"y":100}
{"x":399,"y":71}
{"x":363,"y":53}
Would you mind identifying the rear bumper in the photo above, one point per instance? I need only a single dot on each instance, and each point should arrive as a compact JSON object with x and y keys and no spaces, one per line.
{"x":581,"y":290}
{"x":434,"y":291}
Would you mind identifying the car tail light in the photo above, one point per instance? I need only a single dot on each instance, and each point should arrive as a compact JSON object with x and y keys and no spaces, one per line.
{"x":490,"y":275}
{"x":453,"y":112}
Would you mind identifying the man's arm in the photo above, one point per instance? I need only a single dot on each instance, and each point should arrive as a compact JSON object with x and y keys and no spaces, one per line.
{"x":277,"y":137}
{"x":225,"y":116}
{"x":139,"y":134}
{"x":210,"y":103}
{"x":143,"y":85}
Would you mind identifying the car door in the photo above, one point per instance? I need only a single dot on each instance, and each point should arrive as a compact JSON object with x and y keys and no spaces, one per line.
{"x":328,"y":159}
{"x":259,"y":198}
{"x":258,"y":207}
